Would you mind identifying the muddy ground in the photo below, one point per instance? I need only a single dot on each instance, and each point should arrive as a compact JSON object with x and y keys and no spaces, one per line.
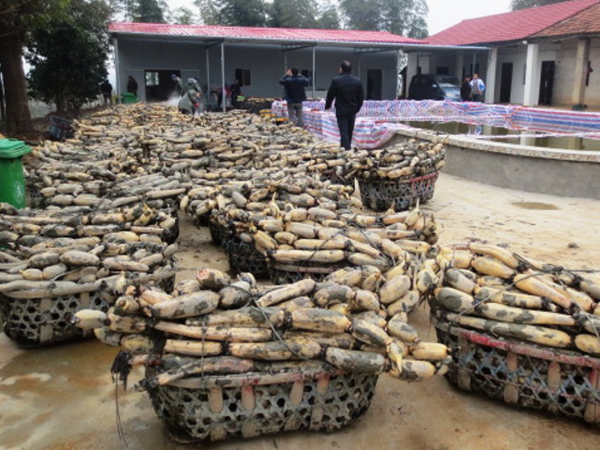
{"x":62,"y":398}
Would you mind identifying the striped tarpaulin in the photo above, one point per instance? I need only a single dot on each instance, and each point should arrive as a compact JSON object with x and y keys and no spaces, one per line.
{"x":378,"y":121}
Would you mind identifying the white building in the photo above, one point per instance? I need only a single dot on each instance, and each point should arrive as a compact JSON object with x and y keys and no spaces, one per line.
{"x":258,"y":57}
{"x":537,"y":56}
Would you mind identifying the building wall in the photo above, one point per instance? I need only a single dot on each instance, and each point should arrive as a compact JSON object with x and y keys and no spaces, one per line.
{"x":266,"y":64}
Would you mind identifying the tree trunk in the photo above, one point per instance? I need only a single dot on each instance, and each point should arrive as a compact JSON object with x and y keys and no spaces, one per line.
{"x":18,"y":117}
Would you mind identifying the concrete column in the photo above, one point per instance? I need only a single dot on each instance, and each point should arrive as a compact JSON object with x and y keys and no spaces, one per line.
{"x":411,"y":69}
{"x":207,"y":97}
{"x":492,"y":72}
{"x":117,"y":71}
{"x":459,"y":64}
{"x":314,"y":70}
{"x":581,"y":64}
{"x":224,"y":103}
{"x":532,"y":76}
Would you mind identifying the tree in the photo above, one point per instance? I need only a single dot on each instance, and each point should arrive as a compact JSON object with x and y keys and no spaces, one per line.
{"x":242,"y":13}
{"x":183,"y":16}
{"x":293,"y":14}
{"x":16,"y":17}
{"x":403,"y":17}
{"x":524,"y":4}
{"x":328,"y":16}
{"x":143,"y":11}
{"x":68,"y":55}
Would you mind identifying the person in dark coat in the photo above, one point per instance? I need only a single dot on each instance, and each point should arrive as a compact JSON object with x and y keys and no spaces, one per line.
{"x":294,"y":94}
{"x":106,"y":90}
{"x":349,"y":95}
{"x":465,"y":90}
{"x":235,"y":92}
{"x":132,"y":86}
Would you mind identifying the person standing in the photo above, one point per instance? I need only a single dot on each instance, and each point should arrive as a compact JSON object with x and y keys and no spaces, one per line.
{"x":465,"y":90}
{"x":349,"y":95}
{"x":294,"y":94}
{"x":235,"y":91}
{"x":178,"y":84}
{"x":106,"y":90}
{"x":477,"y":88}
{"x":189,"y":102}
{"x":132,"y":86}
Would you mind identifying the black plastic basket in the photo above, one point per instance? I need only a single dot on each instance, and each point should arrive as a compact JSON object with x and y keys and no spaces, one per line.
{"x":525,"y":375}
{"x":243,"y":257}
{"x":60,"y":129}
{"x":380,"y":194}
{"x":213,"y":408}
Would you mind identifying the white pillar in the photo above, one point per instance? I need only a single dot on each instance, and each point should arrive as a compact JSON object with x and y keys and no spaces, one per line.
{"x":492,"y":72}
{"x":581,"y":65}
{"x":397,"y":75}
{"x":459,"y":65}
{"x":532,"y":76}
{"x":117,"y":70}
{"x":411,"y":68}
{"x":224,"y":103}
{"x":314,"y":65}
{"x":207,"y":97}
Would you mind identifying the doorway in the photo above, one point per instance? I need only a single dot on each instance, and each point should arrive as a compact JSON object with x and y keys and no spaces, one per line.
{"x":159,"y":85}
{"x":506,"y":82}
{"x":374,"y":82}
{"x":546,"y":83}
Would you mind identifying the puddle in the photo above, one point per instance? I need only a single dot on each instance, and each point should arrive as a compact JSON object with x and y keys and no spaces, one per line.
{"x":535,"y":206}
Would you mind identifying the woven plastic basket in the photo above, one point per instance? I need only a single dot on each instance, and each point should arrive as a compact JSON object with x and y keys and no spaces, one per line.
{"x":525,"y":375}
{"x":287,"y":274}
{"x":35,"y":322}
{"x":218,"y":232}
{"x":248,"y":405}
{"x":244,"y":257}
{"x":379,"y":195}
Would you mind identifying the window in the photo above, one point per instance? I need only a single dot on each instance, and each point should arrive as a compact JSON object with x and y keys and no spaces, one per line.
{"x":308,"y":74}
{"x":152,"y":78}
{"x":243,"y":76}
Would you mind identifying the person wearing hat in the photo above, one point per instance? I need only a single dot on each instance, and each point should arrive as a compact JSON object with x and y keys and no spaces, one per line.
{"x":179,"y":83}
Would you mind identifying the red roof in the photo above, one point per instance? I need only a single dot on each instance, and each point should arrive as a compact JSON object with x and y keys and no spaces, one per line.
{"x":587,"y":22}
{"x":512,"y":26}
{"x":287,"y":34}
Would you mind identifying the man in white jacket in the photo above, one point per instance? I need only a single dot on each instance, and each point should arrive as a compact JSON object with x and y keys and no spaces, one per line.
{"x":477,"y":88}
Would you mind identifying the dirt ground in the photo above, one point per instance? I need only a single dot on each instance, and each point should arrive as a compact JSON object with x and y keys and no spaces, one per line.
{"x":62,"y":398}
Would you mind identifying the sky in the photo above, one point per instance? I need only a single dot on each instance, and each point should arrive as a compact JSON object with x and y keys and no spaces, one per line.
{"x":442,"y":13}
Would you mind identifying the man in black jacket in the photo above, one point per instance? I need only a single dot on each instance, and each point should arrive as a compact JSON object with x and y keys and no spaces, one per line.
{"x":348,"y":92}
{"x":294,"y":85}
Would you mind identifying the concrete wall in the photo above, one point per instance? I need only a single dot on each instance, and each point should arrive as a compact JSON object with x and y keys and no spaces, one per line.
{"x":530,"y":169}
{"x":266,"y":64}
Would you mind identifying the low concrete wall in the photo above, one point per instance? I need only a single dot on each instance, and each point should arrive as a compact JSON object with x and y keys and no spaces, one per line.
{"x":532,"y":169}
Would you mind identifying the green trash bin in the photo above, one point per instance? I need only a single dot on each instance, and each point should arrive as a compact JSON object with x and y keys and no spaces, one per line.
{"x":12,"y":181}
{"x":128,"y":97}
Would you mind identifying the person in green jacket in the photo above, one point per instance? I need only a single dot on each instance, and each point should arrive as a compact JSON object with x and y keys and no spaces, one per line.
{"x":189,"y":102}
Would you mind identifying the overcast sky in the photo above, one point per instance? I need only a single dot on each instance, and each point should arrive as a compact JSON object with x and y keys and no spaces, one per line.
{"x":442,"y":13}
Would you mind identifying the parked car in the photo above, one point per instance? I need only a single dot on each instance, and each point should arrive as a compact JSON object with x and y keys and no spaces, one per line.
{"x":434,"y":87}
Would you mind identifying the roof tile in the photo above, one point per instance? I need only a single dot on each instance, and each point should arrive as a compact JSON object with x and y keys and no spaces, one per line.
{"x":294,"y":34}
{"x":586,"y":22}
{"x":510,"y":26}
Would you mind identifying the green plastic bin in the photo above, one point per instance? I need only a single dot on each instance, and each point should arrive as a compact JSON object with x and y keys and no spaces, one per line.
{"x":128,"y":97}
{"x":12,"y":180}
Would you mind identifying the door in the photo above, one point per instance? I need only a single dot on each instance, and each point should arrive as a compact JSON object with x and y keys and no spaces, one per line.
{"x":506,"y":82}
{"x":374,"y":82}
{"x":546,"y":83}
{"x":159,"y":85}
